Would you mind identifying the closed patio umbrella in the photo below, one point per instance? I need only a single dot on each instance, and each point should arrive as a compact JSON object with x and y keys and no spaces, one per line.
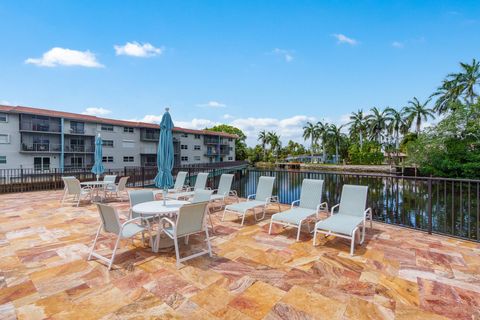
{"x":164,"y":178}
{"x":98,"y":168}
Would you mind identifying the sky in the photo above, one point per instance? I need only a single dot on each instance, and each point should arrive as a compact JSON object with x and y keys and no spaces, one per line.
{"x":257,"y":65}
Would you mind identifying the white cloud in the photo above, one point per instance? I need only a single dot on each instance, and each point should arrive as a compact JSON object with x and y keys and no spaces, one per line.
{"x":286,"y":54}
{"x":93,"y":111}
{"x":228,"y":116}
{"x":66,"y":57}
{"x":5,"y":103}
{"x":135,"y":49}
{"x":398,"y":44}
{"x":195,"y":123}
{"x":341,"y":38}
{"x":212,"y":104}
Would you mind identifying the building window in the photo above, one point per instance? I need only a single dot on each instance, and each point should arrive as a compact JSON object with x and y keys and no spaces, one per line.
{"x":197,"y":147}
{"x":3,"y":117}
{"x":128,"y":129}
{"x":230,"y":139}
{"x":4,"y":138}
{"x":230,"y":148}
{"x":230,"y":158}
{"x":3,"y":159}
{"x":184,"y":147}
{"x":197,"y":136}
{"x":77,"y":127}
{"x":184,"y":158}
{"x":106,"y":127}
{"x":128,"y":159}
{"x":107,"y":159}
{"x":128,"y":144}
{"x":41,"y":163}
{"x":185,"y":135}
{"x":107,"y":143}
{"x":196,"y":158}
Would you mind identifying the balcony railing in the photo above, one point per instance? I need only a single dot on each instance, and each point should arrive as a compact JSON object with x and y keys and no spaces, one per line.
{"x":77,"y":130}
{"x":82,"y":149}
{"x":207,"y":140}
{"x":41,"y":147}
{"x":40,"y":127}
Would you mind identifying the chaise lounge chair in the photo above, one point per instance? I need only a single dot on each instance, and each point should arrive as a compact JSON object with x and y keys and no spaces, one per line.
{"x":224,"y":189}
{"x":200,"y":184}
{"x":263,"y":198}
{"x":308,"y":206}
{"x":351,"y":214}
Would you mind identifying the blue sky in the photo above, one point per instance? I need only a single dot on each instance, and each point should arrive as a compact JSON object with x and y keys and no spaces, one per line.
{"x":256,"y":64}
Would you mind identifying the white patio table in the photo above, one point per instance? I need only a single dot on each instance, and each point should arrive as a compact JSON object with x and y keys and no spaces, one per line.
{"x":96,"y":185}
{"x":157,"y":209}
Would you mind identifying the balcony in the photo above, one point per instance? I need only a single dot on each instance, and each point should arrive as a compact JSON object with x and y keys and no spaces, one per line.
{"x":40,"y":127}
{"x":41,"y":147}
{"x":150,"y":135}
{"x":77,"y":130}
{"x":79,"y":149}
{"x":214,"y":140}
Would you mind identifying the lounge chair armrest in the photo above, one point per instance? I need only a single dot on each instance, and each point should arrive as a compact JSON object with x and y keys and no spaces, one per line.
{"x":233,"y":193}
{"x":165,"y":219}
{"x":271,"y":199}
{"x":367,"y":212}
{"x":323,"y":205}
{"x":251,"y":196}
{"x":332,"y":210}
{"x":131,"y":221}
{"x":293,"y":203}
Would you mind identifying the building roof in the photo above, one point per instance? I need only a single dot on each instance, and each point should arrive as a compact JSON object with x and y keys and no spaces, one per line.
{"x":88,"y":118}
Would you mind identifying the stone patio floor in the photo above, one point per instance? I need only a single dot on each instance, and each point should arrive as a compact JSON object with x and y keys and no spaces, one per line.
{"x":397,"y":274}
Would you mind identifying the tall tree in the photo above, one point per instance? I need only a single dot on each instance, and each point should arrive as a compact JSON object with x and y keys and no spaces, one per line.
{"x":336,"y":136}
{"x":460,"y":85}
{"x":417,"y":112}
{"x":358,"y":125}
{"x":396,"y":124}
{"x":310,"y":131}
{"x":275,"y":144}
{"x":322,"y":132}
{"x":262,"y":137}
{"x":377,"y":123}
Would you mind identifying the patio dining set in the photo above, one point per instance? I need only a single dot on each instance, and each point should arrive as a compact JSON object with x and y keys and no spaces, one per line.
{"x":183,"y":211}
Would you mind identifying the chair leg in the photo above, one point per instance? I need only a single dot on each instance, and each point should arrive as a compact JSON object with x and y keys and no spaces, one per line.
{"x":211,"y":222}
{"x":352,"y":244}
{"x":315,"y":236}
{"x":299,"y":229}
{"x":78,"y":201}
{"x":208,"y":242}
{"x":364,"y":226}
{"x":223,"y":216}
{"x":270,"y":228}
{"x":243,"y":218}
{"x":94,"y":242}
{"x":177,"y":253}
{"x":113,"y":254}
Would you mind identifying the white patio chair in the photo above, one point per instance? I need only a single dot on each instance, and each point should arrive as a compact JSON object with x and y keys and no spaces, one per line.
{"x":261,"y":199}
{"x":200,"y":184}
{"x":190,"y":220}
{"x":179,"y":182}
{"x":351,"y":214}
{"x":117,"y":189}
{"x":224,"y":189}
{"x":204,"y":196}
{"x":111,"y":224}
{"x":137,"y":197}
{"x":301,"y":210}
{"x":74,"y":191}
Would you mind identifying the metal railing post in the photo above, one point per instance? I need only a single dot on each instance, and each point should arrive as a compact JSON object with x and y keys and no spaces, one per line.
{"x":143,"y":177}
{"x":429,"y":217}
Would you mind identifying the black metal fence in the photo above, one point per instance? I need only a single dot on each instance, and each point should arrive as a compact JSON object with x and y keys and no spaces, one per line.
{"x":435,"y":205}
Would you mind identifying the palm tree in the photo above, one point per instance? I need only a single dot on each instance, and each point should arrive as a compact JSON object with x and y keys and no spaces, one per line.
{"x":418,"y":112}
{"x":336,"y":135}
{"x":457,"y":85}
{"x":310,"y":131}
{"x":322,"y":132}
{"x":275,"y":144}
{"x":397,"y":124}
{"x":262,"y":137}
{"x":358,"y":125}
{"x":376,"y":124}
